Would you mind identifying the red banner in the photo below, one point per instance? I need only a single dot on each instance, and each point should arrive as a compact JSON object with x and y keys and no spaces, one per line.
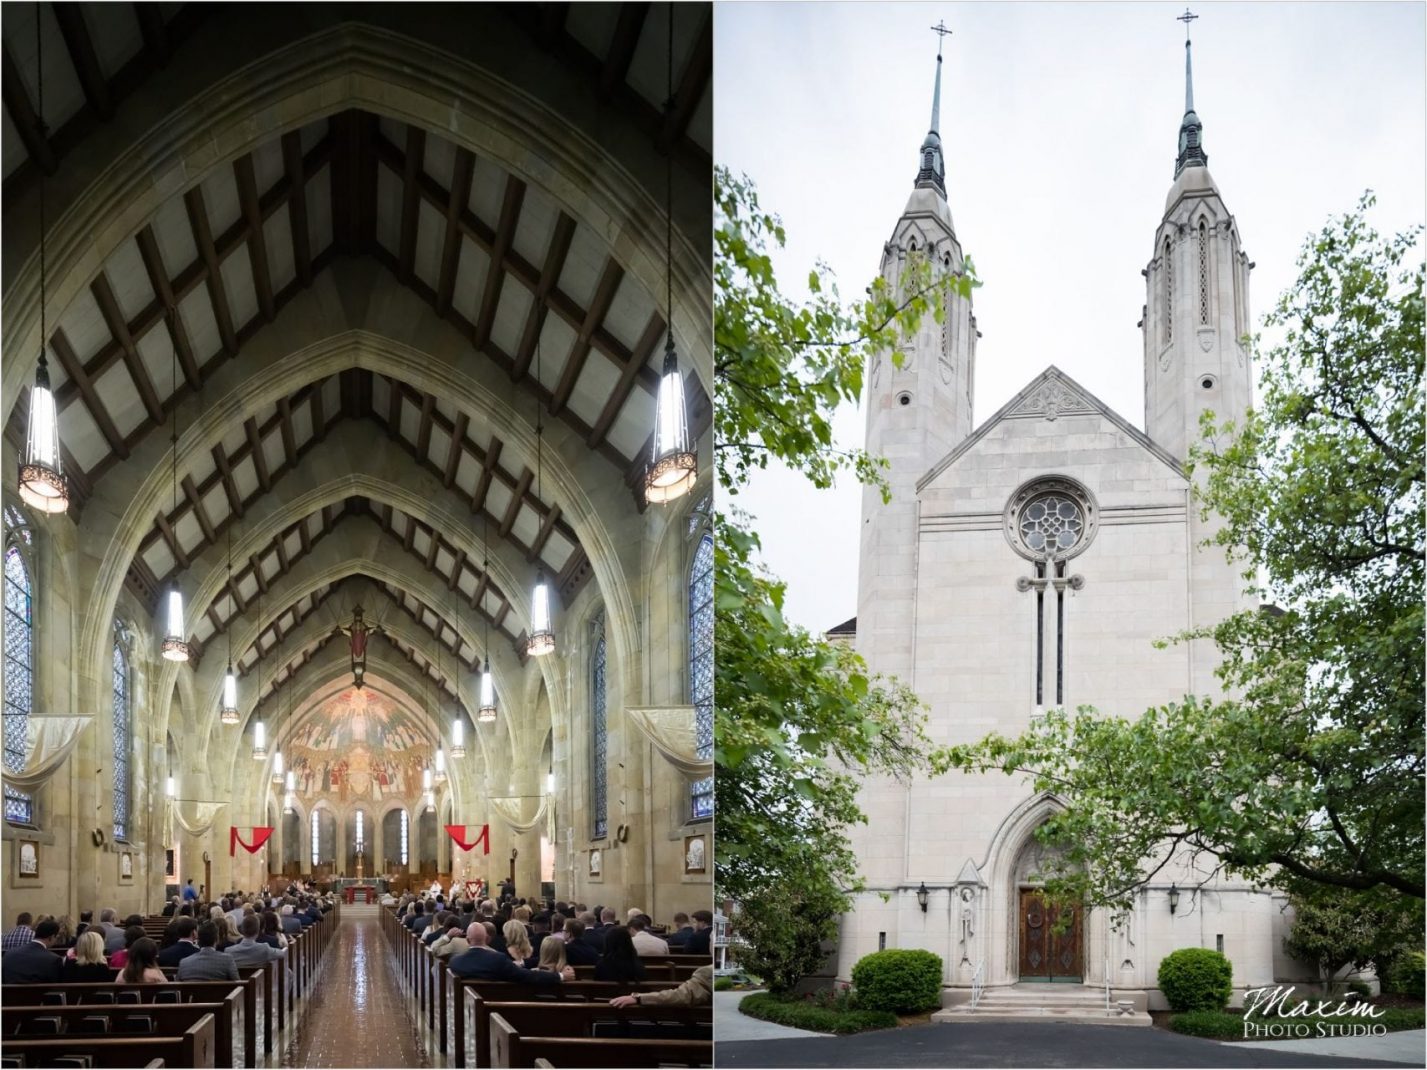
{"x":260,"y":835}
{"x":461,"y":833}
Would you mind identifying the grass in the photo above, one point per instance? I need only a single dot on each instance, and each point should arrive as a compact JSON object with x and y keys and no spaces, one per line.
{"x":1229,"y":1025}
{"x":807,"y":1014}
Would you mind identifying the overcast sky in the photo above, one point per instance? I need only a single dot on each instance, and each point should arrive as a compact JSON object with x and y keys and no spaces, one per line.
{"x":1059,"y":124}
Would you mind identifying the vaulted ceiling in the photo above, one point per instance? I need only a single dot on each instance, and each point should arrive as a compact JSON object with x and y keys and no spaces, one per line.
{"x":545,"y":298}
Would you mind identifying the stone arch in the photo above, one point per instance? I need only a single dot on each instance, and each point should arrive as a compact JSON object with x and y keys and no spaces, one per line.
{"x":1008,"y":848}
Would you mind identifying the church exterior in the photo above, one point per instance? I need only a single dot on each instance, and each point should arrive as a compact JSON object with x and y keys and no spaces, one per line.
{"x":1031,"y":562}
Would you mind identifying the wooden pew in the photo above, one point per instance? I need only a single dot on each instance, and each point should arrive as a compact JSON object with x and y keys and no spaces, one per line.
{"x":197,"y":991}
{"x":514,"y":1049}
{"x":465,"y":994}
{"x":193,"y":1048}
{"x":547,"y":1019}
{"x":170,"y":1019}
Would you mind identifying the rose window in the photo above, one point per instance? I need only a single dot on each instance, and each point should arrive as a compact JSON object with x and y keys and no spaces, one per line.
{"x":1052,"y":523}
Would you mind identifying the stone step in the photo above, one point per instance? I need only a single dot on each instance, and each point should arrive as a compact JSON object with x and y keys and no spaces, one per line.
{"x":1032,"y":1014}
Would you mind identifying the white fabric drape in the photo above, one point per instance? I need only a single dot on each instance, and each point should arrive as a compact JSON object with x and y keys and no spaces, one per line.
{"x":509,"y":810}
{"x":204,"y":813}
{"x":671,"y":730}
{"x":49,"y":738}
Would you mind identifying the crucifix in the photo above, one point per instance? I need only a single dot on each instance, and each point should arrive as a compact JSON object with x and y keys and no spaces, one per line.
{"x":1186,"y":18}
{"x":358,"y":632}
{"x":941,"y":34}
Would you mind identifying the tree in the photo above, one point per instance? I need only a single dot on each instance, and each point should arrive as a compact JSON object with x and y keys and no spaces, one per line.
{"x":1311,"y":774}
{"x":1336,"y":931}
{"x":799,"y":719}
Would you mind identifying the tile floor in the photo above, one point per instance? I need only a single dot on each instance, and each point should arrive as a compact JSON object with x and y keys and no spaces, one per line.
{"x":357,"y":1015}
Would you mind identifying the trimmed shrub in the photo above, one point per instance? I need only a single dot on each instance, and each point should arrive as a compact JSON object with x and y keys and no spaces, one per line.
{"x":901,"y":980}
{"x":723,"y":984}
{"x":1405,"y":975}
{"x":801,"y":1014}
{"x":1219,"y":1025}
{"x":1196,"y":979}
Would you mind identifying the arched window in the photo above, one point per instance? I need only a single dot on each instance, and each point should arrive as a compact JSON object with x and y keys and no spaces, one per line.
{"x":1203,"y":274}
{"x":19,"y":629}
{"x":701,"y":669}
{"x":599,"y":734}
{"x":123,"y":733}
{"x":316,"y":838}
{"x":361,"y":838}
{"x":1168,"y":299}
{"x":405,"y":836}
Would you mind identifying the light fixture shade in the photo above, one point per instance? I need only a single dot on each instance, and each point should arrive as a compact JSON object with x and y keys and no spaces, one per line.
{"x":458,"y":736}
{"x":260,"y":740}
{"x":42,"y":483}
{"x":169,"y":788}
{"x":289,"y":804}
{"x":228,"y":714}
{"x":174,"y":648}
{"x":291,"y":781}
{"x":277,"y":766}
{"x":542,"y":632}
{"x":440,"y":775}
{"x":549,"y":783}
{"x":673,"y":466}
{"x":486,"y":713}
{"x":426,"y":779}
{"x":430,"y":801}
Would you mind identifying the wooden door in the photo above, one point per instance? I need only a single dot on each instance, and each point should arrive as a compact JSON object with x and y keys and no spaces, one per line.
{"x":1048,"y":954}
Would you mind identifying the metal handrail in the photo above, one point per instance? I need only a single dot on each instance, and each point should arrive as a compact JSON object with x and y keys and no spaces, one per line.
{"x":978,"y":983}
{"x":1107,"y":985}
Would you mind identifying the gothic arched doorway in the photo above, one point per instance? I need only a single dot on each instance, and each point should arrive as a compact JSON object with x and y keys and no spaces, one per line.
{"x":1049,"y":937}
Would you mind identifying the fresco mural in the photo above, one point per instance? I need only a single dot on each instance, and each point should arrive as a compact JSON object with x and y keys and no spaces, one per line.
{"x":358,"y":745}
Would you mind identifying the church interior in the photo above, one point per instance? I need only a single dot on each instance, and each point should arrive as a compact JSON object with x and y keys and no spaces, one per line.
{"x":358,"y":372}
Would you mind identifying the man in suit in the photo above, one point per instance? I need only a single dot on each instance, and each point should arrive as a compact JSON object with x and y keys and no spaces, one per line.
{"x":577,"y":952}
{"x":645,"y":942}
{"x":113,"y":932}
{"x":698,"y":941}
{"x":697,"y":991}
{"x":291,"y":926}
{"x":186,"y":943}
{"x":34,"y":963}
{"x":682,"y":931}
{"x":486,"y":964}
{"x":593,"y":936}
{"x":248,"y":951}
{"x":209,"y":964}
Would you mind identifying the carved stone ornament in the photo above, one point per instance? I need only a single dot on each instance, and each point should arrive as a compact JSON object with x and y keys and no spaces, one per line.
{"x":1073,"y":534}
{"x":1206,"y":338}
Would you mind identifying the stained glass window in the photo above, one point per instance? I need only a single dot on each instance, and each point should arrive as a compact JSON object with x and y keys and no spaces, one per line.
{"x":701,"y":669}
{"x":361,"y":837}
{"x":19,"y":629}
{"x":123,"y":734}
{"x":405,"y":832}
{"x":599,"y":742}
{"x":1168,"y":292}
{"x":1203,"y":273}
{"x":316,"y":839}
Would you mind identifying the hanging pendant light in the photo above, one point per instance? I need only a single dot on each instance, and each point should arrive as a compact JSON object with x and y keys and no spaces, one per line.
{"x":485,"y":713}
{"x":169,"y":788}
{"x":42,"y":483}
{"x":260,"y":732}
{"x":260,"y":739}
{"x":277,"y":735}
{"x":673,"y":465}
{"x":228,"y":712}
{"x":440,"y":772}
{"x":458,"y":737}
{"x":542,"y":630}
{"x":277,"y":766}
{"x":174,"y":648}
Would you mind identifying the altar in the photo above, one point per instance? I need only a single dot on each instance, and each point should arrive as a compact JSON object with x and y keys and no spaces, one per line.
{"x":360,"y":893}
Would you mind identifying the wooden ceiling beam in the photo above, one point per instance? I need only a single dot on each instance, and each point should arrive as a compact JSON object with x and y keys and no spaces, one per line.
{"x":296,"y":174}
{"x":643,"y":350}
{"x":114,"y":320}
{"x":68,"y":361}
{"x":33,"y":133}
{"x":433,"y":547}
{"x":693,"y":84}
{"x":195,"y":504}
{"x":410,"y":537}
{"x":163,"y":289}
{"x":166,"y":530}
{"x":230,"y":486}
{"x":547,"y":528}
{"x":517,"y":499}
{"x":289,"y":434}
{"x":255,"y":451}
{"x":280,"y":545}
{"x":460,"y":196}
{"x":257,"y":570}
{"x":208,"y":253}
{"x":423,"y":430}
{"x":504,"y":235}
{"x":554,"y":264}
{"x":489,"y":467}
{"x":80,"y":47}
{"x":458,"y":447}
{"x":603,"y":297}
{"x":620,"y":53}
{"x":411,"y":199}
{"x":257,"y":240}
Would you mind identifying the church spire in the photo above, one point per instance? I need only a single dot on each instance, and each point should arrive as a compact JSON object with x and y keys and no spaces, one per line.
{"x":932,"y":172}
{"x":1191,"y":130}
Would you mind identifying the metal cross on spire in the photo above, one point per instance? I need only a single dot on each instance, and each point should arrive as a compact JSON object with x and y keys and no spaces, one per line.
{"x":942,"y":33}
{"x":1186,"y":18}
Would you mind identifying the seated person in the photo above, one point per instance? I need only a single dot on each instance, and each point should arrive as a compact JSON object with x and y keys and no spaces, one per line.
{"x":186,"y":943}
{"x":697,"y":991}
{"x":485,"y":963}
{"x":577,"y":952}
{"x":209,"y":964}
{"x":620,"y":961}
{"x":141,"y":966}
{"x":88,"y":965}
{"x":698,"y":942}
{"x":682,"y":931}
{"x":645,"y":942}
{"x":517,"y":943}
{"x":132,"y":934}
{"x":451,"y":942}
{"x":552,"y":956}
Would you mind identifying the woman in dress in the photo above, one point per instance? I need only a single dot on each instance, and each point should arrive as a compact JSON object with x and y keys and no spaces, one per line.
{"x":552,"y":955}
{"x":517,"y":943}
{"x":132,"y":934}
{"x":620,"y":962}
{"x":143,"y":965}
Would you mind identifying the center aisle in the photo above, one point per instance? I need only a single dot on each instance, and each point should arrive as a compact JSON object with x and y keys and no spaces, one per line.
{"x":357,"y":1014}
